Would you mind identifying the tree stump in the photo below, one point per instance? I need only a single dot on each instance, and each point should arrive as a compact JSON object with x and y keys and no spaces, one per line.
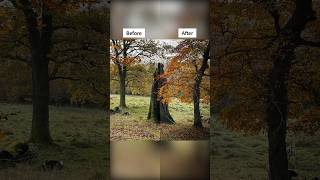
{"x":158,"y":111}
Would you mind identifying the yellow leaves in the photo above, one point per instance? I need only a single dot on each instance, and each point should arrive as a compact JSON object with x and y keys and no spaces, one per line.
{"x":80,"y":96}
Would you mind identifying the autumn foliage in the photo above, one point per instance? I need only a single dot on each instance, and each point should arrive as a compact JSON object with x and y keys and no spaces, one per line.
{"x":245,"y":48}
{"x":181,"y":71}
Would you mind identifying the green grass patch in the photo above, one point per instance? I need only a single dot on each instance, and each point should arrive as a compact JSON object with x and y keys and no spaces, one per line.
{"x":79,"y":135}
{"x":237,"y":156}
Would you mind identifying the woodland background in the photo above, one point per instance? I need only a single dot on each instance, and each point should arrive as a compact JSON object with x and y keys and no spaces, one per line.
{"x":264,"y":89}
{"x":54,"y":87}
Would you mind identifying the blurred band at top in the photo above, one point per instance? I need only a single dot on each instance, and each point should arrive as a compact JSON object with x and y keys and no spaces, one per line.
{"x":160,"y":18}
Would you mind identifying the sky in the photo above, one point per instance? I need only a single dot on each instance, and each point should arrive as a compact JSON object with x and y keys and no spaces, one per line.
{"x":172,"y":42}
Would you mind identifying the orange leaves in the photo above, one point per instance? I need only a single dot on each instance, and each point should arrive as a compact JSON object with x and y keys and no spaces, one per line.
{"x":243,"y":116}
{"x":116,"y":47}
{"x":176,"y":88}
{"x":130,"y":60}
{"x":179,"y":82}
{"x":125,"y":61}
{"x":181,"y":72}
{"x":166,"y":93}
{"x":243,"y":61}
{"x":172,"y":67}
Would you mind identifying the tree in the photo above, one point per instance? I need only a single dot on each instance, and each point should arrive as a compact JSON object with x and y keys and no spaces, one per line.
{"x":196,"y":90}
{"x":257,"y":63}
{"x":139,"y":79}
{"x":277,"y":101}
{"x":126,"y":53}
{"x":158,"y":111}
{"x":40,"y":35}
{"x":40,"y":23}
{"x":190,"y":62}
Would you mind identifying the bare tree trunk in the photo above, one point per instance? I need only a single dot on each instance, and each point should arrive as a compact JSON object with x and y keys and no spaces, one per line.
{"x":40,"y":132}
{"x":122,"y":69}
{"x":196,"y":104}
{"x":277,"y":115}
{"x":122,"y":82}
{"x":196,"y":89}
{"x":158,"y":111}
{"x":40,"y":40}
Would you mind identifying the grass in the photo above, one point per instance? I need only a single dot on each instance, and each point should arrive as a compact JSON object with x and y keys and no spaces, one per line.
{"x":237,"y":156}
{"x":135,"y":126}
{"x":79,"y":135}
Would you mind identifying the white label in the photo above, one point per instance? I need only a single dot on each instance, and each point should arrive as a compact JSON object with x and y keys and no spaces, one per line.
{"x":187,"y":32}
{"x":134,"y":33}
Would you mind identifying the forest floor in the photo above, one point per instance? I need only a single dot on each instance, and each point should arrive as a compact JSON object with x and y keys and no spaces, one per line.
{"x":135,"y":126}
{"x":79,"y":135}
{"x":237,"y":156}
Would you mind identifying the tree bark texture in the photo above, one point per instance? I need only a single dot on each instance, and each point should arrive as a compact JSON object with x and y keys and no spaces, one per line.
{"x":40,"y":40}
{"x":158,"y":111}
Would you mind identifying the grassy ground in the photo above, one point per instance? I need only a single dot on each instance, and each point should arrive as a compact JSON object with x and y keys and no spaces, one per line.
{"x":235,"y":156}
{"x":80,"y":137}
{"x":135,"y":126}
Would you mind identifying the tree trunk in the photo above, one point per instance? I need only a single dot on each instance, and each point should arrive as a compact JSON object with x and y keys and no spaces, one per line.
{"x":196,"y":89}
{"x":277,"y":106}
{"x":277,"y":115}
{"x":158,"y":111}
{"x":122,"y":82}
{"x":154,"y":108}
{"x":196,"y":104}
{"x":40,"y":132}
{"x":40,"y":40}
{"x":277,"y":100}
{"x":122,"y":69}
